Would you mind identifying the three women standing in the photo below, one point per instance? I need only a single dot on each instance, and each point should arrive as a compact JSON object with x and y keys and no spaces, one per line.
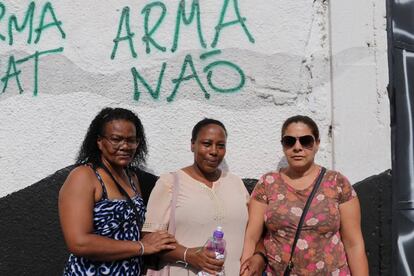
{"x":102,"y":210}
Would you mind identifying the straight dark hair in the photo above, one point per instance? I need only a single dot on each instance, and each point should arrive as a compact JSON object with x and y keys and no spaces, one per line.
{"x":302,"y":119}
{"x":203,"y":123}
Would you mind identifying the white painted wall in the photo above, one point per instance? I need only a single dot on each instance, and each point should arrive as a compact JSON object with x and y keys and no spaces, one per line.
{"x":308,"y":57}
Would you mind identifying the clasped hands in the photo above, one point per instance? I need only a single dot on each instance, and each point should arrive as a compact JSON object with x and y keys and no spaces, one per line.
{"x":253,"y":266}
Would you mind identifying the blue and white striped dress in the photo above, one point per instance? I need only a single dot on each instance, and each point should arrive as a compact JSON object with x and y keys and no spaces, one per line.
{"x":114,"y":219}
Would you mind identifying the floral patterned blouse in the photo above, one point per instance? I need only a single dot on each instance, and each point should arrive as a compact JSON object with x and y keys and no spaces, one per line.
{"x":319,"y":250}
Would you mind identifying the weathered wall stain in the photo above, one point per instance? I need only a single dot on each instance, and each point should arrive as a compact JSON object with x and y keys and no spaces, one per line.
{"x":263,"y":86}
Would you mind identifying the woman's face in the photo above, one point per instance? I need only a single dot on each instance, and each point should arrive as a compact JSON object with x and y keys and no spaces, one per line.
{"x":299,"y":152}
{"x":118,"y":143}
{"x":209,"y":148}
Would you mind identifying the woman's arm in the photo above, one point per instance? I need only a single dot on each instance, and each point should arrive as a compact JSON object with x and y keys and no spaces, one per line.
{"x":253,"y":231}
{"x":76,"y":203}
{"x":352,"y":239}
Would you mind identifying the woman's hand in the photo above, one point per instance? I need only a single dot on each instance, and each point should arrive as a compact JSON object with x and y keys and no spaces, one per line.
{"x":157,"y":241}
{"x":203,"y":259}
{"x":253,"y":266}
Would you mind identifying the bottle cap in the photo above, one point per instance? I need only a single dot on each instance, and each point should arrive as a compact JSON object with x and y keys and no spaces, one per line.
{"x":218,"y":233}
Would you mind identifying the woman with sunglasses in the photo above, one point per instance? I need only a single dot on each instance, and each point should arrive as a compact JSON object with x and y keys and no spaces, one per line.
{"x":330,"y":242}
{"x":207,"y":197}
{"x":101,"y":206}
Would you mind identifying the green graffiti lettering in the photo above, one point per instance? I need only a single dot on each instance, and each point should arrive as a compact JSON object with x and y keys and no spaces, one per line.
{"x":2,"y":13}
{"x":208,"y":69}
{"x":36,"y":57}
{"x":47,"y":8}
{"x":155,"y":94}
{"x":209,"y":54}
{"x":221,"y":25}
{"x":147,"y":38}
{"x":15,"y":74}
{"x":129,"y":35}
{"x":195,"y":10}
{"x":188,"y":60}
{"x":28,"y":19}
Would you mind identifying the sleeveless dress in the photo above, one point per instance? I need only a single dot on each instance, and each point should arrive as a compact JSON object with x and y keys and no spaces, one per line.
{"x":114,"y":219}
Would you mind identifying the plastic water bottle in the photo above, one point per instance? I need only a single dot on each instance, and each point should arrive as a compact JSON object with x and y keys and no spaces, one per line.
{"x":218,"y":245}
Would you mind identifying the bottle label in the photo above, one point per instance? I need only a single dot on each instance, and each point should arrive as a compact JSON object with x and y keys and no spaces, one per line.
{"x":219,"y":256}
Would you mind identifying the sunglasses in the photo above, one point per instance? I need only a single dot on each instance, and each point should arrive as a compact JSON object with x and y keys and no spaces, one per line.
{"x":306,"y":141}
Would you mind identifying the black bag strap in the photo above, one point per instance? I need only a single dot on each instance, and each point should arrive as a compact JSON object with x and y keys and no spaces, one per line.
{"x":302,"y":217}
{"x":123,"y":192}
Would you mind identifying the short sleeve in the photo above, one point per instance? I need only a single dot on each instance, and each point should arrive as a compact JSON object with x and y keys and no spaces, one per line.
{"x":159,"y":203}
{"x":259,"y":191}
{"x":345,"y":190}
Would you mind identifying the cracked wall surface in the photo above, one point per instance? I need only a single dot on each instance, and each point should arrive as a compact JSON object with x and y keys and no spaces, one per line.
{"x":325,"y":59}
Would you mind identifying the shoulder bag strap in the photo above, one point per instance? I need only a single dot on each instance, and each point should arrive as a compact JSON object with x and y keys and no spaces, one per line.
{"x":175,"y":190}
{"x":123,"y":192}
{"x":302,"y":217}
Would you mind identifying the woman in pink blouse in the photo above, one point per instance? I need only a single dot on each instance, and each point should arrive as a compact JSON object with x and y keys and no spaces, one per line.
{"x":207,"y":197}
{"x":330,"y":242}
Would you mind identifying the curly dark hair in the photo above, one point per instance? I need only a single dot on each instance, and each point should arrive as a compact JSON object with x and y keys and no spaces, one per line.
{"x":301,"y":119}
{"x":89,"y":151}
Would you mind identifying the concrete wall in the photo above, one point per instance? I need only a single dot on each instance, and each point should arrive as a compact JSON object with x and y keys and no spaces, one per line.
{"x":65,"y":60}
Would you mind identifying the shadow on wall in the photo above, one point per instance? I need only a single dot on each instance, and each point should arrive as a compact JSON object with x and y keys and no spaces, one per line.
{"x":32,"y":243}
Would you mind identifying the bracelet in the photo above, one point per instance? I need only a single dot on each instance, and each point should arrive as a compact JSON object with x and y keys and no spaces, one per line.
{"x":142,"y":248}
{"x":185,"y":255}
{"x":184,"y":261}
{"x":261,"y":254}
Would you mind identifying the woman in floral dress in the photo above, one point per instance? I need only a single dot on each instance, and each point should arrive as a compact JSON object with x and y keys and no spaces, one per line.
{"x":330,"y":242}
